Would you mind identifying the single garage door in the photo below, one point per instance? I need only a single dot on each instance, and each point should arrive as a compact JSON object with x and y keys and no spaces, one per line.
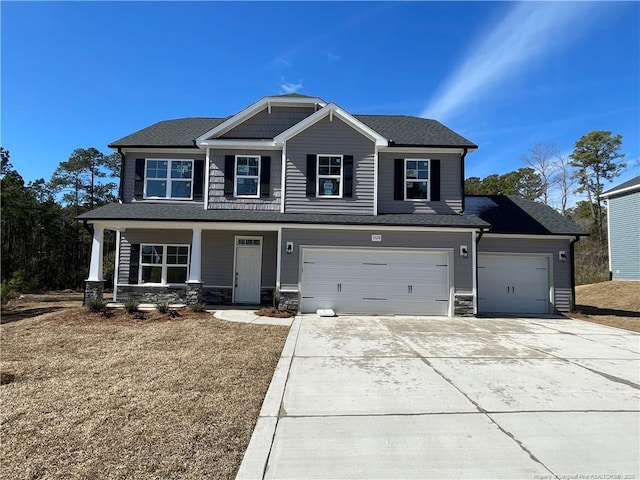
{"x":513,"y":283}
{"x":375,"y":281}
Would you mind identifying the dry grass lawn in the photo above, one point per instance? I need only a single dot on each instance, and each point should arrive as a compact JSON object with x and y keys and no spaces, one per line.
{"x":611,"y":303}
{"x":118,"y":398}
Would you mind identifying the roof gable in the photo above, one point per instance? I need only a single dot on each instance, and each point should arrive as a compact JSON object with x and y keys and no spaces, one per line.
{"x":180,"y":132}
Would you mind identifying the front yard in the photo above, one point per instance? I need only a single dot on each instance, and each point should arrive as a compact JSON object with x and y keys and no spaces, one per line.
{"x":120,"y":398}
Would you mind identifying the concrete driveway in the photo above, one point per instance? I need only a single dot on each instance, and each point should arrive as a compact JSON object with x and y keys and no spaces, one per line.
{"x":432,"y":397}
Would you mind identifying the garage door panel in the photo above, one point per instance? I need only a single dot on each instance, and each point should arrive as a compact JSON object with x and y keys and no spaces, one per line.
{"x":380,"y":281}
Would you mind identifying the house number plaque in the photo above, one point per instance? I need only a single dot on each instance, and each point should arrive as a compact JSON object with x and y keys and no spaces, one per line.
{"x":376,"y":238}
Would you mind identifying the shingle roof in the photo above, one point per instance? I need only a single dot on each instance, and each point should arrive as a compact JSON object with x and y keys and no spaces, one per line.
{"x":196,"y":213}
{"x":515,"y":215}
{"x":634,"y":182}
{"x":404,"y":130}
{"x":401,"y":130}
{"x":180,"y":132}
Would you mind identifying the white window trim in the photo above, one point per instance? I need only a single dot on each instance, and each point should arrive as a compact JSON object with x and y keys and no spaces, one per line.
{"x":406,"y":181}
{"x":168,"y":178}
{"x":163,"y":264}
{"x":235,"y":176}
{"x":340,"y":177}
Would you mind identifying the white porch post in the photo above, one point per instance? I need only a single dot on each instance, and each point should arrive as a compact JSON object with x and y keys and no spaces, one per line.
{"x":95,"y":268}
{"x":196,"y":256}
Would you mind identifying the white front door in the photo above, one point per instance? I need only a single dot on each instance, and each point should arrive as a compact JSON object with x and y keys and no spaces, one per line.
{"x":248,"y":270}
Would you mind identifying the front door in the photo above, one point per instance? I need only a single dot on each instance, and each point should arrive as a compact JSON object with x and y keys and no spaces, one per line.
{"x":248,"y":270}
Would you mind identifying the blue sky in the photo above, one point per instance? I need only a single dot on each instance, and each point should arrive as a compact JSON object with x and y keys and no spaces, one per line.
{"x":505,"y":75}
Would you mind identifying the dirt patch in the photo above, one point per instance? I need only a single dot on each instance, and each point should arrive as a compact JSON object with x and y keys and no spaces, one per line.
{"x":275,"y":313}
{"x":614,"y":303}
{"x":30,"y":305}
{"x":165,"y":397}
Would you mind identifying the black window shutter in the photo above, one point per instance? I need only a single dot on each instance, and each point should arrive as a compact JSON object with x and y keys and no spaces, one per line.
{"x":198,"y":179}
{"x":138,"y":185}
{"x":265,"y":176}
{"x":311,"y":175}
{"x":347,"y":188}
{"x":434,"y":182}
{"x":229,"y":165}
{"x":134,"y":263}
{"x":398,"y":179}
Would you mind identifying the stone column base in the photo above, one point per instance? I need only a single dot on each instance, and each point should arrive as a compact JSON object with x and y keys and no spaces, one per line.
{"x":193,"y":293}
{"x":463,"y":306}
{"x":93,"y":290}
{"x":289,"y":301}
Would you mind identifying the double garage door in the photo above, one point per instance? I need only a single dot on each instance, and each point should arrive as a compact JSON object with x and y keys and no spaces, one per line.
{"x":513,"y":283}
{"x":376,"y":281}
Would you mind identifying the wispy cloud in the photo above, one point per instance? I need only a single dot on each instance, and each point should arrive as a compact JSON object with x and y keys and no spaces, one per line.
{"x":529,"y":31}
{"x":288,"y":87}
{"x":332,"y":57}
{"x":282,"y":62}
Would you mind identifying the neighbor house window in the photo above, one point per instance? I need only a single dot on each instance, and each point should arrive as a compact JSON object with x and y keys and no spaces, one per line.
{"x":168,"y":179}
{"x":416,"y":174}
{"x":329,"y":177}
{"x":164,"y":264}
{"x":247,"y":176}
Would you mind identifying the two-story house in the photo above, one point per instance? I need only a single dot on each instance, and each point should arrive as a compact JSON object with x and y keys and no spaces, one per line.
{"x":358,"y":213}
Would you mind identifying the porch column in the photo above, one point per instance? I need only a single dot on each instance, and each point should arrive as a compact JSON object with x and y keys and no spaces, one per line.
{"x":194,"y":283}
{"x":94,"y":285}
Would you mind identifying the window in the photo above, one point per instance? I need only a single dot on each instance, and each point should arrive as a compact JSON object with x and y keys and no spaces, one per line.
{"x":329,"y":177}
{"x":247,"y":181}
{"x":164,"y":264}
{"x":168,"y":179}
{"x":416,"y":175}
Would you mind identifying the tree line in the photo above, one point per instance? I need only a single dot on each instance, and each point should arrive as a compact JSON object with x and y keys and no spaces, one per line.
{"x":44,"y":247}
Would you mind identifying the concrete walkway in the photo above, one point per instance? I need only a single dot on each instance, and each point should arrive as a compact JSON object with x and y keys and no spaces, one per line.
{"x":419,"y":398}
{"x":249,"y":316}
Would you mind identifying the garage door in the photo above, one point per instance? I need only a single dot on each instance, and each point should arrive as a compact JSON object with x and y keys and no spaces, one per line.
{"x":375,"y":281}
{"x":513,"y":283}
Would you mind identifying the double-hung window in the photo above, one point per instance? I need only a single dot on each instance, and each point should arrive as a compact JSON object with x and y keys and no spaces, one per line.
{"x":416,"y":179}
{"x":247,"y":178}
{"x":168,"y":179}
{"x":164,"y":264}
{"x":329,"y":176}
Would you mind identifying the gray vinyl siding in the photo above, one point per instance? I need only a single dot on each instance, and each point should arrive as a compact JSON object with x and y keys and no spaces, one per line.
{"x":128,"y":179}
{"x":160,"y":236}
{"x":462,"y":271}
{"x":561,"y":281}
{"x":450,"y":185}
{"x":268,"y":125}
{"x":624,"y":218}
{"x":218,"y":255}
{"x":330,"y":137}
{"x":218,"y":200}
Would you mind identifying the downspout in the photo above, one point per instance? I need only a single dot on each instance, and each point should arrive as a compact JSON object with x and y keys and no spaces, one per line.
{"x":572,"y":305}
{"x":120,"y":188}
{"x":464,"y":154}
{"x":89,"y":228}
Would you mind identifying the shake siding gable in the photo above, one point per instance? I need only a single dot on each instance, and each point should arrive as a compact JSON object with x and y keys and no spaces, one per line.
{"x":391,"y":165}
{"x":330,"y":137}
{"x":268,"y":125}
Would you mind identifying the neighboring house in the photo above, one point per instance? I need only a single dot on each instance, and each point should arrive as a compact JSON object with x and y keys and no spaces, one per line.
{"x":623,"y":215}
{"x":359,"y":213}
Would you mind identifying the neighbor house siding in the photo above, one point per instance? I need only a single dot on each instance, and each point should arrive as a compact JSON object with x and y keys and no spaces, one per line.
{"x":217,"y":198}
{"x":218,"y":256}
{"x":561,"y":279}
{"x":462,"y":271}
{"x":624,"y":218}
{"x":128,"y":180}
{"x":330,"y":137}
{"x":268,"y":125}
{"x":450,"y":185}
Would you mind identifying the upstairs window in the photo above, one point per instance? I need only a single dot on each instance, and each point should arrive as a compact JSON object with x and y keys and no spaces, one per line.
{"x":247,"y":178}
{"x":329,"y":176}
{"x":164,"y":264}
{"x":416,"y":177}
{"x":168,"y":179}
